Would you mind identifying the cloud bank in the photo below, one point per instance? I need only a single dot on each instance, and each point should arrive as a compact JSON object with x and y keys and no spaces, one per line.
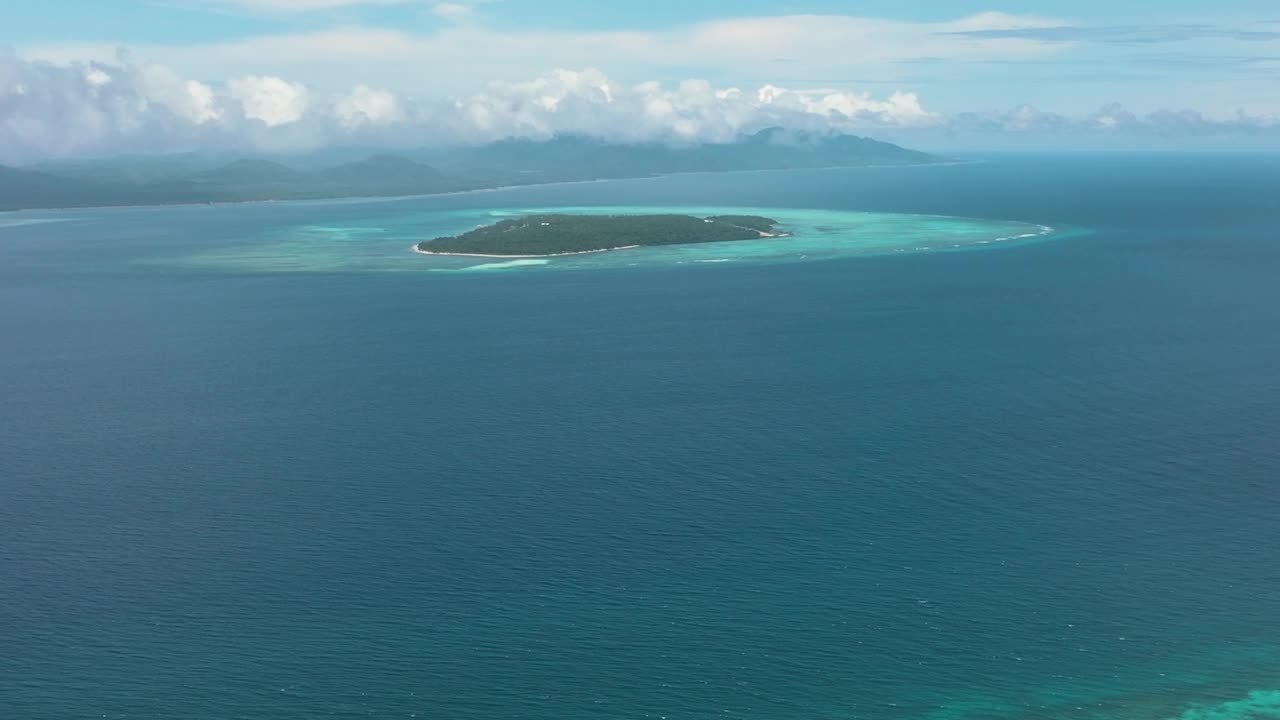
{"x":462,"y":50}
{"x":49,"y":111}
{"x":1114,"y":119}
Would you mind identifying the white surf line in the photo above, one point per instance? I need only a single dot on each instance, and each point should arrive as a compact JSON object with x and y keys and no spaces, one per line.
{"x":420,"y":251}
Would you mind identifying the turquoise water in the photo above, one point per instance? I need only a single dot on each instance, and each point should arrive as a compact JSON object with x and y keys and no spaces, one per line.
{"x":248,"y":470}
{"x":379,"y":242}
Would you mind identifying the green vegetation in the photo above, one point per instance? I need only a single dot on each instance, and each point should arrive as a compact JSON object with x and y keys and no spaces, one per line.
{"x":563,"y":234}
{"x":754,"y":222}
{"x":205,"y":178}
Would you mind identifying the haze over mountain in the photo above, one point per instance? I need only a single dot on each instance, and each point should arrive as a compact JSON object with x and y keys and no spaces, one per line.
{"x":85,"y":78}
{"x":137,"y":180}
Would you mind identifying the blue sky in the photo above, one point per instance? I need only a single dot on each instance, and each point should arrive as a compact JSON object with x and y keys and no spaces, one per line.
{"x":1043,"y":72}
{"x":1114,"y":52}
{"x":146,"y":21}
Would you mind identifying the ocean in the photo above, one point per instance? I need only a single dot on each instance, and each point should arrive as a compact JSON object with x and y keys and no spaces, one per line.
{"x":262,"y":461}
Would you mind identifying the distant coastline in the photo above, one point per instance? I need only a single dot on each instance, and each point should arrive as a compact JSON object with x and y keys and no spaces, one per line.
{"x":467,"y":191}
{"x":209,"y":179}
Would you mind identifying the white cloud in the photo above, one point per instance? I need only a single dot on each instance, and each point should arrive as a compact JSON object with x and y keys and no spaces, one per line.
{"x":296,"y":6}
{"x":459,"y":10}
{"x":831,"y":50}
{"x":201,"y":108}
{"x":452,"y":10}
{"x":96,"y":77}
{"x":269,"y":99}
{"x":1114,"y":120}
{"x":187,"y":99}
{"x":901,"y":108}
{"x":588,"y":102}
{"x":1001,"y":21}
{"x":368,"y":106}
{"x":49,"y":110}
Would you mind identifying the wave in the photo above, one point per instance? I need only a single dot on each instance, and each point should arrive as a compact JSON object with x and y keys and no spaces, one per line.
{"x":1041,"y":231}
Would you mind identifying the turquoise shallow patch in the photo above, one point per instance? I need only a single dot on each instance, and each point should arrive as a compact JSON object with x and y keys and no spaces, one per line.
{"x":385,"y":243}
{"x":1258,"y":705}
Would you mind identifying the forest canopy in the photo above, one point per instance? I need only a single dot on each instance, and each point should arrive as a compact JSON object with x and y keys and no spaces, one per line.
{"x":554,"y":234}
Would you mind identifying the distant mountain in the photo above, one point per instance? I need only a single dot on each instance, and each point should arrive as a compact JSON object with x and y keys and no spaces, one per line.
{"x":246,"y":171}
{"x":385,"y":175}
{"x":769,"y":149}
{"x":20,"y":188}
{"x":134,"y":169}
{"x":192,"y":178}
{"x":381,"y":168}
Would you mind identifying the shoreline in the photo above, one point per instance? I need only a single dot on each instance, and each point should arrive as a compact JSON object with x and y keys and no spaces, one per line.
{"x":495,"y":188}
{"x":417,"y":249}
{"x":420,"y":251}
{"x":1041,"y":231}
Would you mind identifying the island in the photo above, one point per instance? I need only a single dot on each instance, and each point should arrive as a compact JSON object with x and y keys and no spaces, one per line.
{"x":549,"y":235}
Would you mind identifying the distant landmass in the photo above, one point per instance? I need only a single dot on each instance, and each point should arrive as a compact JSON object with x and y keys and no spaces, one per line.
{"x":547,"y":235}
{"x":211,"y":178}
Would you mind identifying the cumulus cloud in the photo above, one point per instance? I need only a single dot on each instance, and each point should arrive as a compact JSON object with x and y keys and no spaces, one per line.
{"x":269,"y":99}
{"x":59,"y":110}
{"x":366,"y":106}
{"x":587,"y":102}
{"x":49,"y":110}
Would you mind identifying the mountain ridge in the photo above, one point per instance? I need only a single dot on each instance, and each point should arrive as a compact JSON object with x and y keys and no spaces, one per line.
{"x":195,"y":178}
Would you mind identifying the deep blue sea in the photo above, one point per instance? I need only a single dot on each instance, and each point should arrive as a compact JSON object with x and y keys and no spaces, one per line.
{"x":1033,"y":481}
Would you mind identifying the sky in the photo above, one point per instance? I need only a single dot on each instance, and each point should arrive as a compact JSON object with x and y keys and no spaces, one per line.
{"x":90,"y":77}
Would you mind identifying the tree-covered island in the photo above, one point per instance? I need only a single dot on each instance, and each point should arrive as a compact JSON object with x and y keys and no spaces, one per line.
{"x":546,"y":235}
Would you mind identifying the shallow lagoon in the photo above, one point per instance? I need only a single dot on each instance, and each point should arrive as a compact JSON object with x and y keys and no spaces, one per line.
{"x":385,"y":243}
